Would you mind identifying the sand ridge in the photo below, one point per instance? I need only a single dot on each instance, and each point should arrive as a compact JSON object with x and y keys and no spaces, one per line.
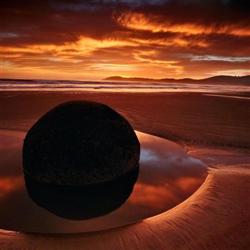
{"x":216,"y":216}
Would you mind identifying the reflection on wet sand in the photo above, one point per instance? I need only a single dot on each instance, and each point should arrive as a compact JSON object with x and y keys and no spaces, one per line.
{"x":167,"y":177}
{"x":9,"y":185}
{"x":85,"y":201}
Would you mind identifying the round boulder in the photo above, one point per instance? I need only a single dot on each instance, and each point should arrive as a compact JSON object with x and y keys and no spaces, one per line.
{"x":82,"y":154}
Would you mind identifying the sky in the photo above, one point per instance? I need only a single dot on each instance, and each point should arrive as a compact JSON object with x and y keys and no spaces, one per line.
{"x":91,"y":40}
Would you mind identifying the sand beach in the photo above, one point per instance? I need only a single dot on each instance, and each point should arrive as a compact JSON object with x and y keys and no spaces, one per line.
{"x":211,"y":128}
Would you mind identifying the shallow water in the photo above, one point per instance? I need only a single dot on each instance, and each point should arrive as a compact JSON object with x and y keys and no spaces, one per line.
{"x":167,"y":177}
{"x":106,"y":86}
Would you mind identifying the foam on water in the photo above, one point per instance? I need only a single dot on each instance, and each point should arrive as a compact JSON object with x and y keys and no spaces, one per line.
{"x":105,"y":86}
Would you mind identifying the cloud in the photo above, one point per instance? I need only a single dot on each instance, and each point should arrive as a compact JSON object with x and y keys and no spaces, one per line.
{"x":219,"y":58}
{"x":140,"y":21}
{"x":93,"y":39}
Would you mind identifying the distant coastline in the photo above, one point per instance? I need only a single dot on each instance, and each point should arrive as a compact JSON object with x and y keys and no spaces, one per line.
{"x":221,"y":79}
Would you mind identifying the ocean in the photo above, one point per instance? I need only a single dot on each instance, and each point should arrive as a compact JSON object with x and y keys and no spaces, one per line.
{"x":106,"y":86}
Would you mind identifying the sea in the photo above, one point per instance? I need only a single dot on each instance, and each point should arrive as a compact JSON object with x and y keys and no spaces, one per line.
{"x":107,"y":86}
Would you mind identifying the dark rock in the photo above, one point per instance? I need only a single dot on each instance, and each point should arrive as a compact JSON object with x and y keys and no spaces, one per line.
{"x":81,"y":154}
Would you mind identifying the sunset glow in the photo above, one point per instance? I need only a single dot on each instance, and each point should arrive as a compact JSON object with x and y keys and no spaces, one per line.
{"x":92,"y":40}
{"x":9,"y":184}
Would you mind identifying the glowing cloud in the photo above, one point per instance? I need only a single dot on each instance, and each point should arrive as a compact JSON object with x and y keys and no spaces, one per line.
{"x":155,"y":38}
{"x":139,"y":21}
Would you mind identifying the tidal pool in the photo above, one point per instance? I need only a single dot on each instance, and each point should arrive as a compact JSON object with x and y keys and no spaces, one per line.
{"x":167,"y":177}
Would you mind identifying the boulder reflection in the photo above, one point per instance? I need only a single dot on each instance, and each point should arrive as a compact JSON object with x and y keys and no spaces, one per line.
{"x":82,"y":202}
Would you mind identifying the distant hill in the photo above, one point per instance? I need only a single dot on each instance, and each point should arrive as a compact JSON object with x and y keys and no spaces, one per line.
{"x":211,"y":80}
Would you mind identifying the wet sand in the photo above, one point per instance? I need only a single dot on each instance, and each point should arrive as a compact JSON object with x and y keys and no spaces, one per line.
{"x":212,"y":128}
{"x":188,"y":117}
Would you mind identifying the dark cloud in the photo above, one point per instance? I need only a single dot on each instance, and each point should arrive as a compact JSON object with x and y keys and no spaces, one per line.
{"x":59,"y":21}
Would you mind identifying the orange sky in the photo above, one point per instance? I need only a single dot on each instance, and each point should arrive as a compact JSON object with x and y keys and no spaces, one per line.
{"x":91,"y":40}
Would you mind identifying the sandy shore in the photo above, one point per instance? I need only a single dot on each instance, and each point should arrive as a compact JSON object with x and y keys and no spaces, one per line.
{"x":188,"y":117}
{"x":213,"y":129}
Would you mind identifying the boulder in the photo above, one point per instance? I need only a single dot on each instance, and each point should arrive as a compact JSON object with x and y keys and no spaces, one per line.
{"x":81,"y":154}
